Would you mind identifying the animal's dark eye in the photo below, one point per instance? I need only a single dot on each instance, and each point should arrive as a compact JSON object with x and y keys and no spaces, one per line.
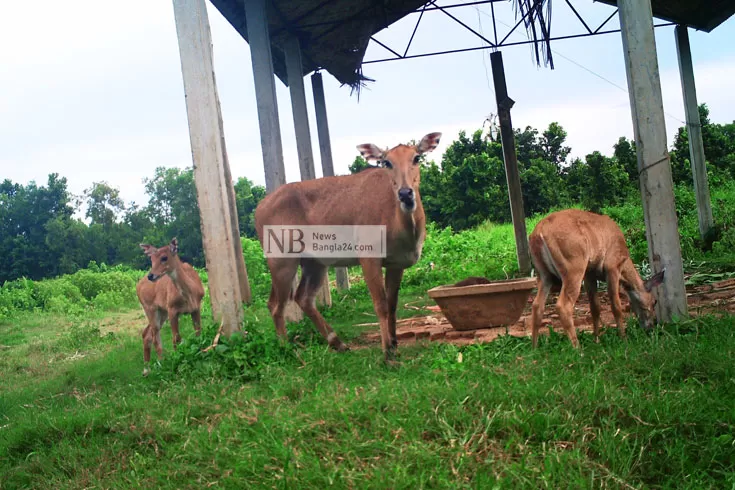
{"x":416,"y":159}
{"x":387,"y":164}
{"x":164,"y":259}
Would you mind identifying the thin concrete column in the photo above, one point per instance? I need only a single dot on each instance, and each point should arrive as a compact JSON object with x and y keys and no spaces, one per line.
{"x":654,"y":164}
{"x":265,"y":95}
{"x":511,"y":163}
{"x":242,"y":271}
{"x":294,"y":70}
{"x":208,"y":155}
{"x":325,"y":150}
{"x":694,"y":132}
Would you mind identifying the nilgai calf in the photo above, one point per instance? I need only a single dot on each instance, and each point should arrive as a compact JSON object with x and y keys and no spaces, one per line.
{"x":171,"y":288}
{"x":385,"y":195}
{"x":571,"y":245}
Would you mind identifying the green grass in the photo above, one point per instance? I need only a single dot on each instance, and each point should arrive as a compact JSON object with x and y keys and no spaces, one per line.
{"x":655,"y":411}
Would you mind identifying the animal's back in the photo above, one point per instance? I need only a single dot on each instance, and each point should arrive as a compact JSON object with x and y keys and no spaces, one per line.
{"x":570,"y":234}
{"x":329,"y":201}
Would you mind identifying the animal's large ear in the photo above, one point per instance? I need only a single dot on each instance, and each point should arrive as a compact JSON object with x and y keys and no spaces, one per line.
{"x":148,"y":249}
{"x":429,"y":142}
{"x":370,"y":151}
{"x":174,"y":245}
{"x":655,"y":280}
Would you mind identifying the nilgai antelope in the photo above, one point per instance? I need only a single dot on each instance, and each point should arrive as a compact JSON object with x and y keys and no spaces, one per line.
{"x":388,"y":195}
{"x":570,"y":245}
{"x":171,"y":288}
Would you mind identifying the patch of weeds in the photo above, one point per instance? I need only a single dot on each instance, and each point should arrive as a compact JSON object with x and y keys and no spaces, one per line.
{"x":84,"y":335}
{"x":242,"y":356}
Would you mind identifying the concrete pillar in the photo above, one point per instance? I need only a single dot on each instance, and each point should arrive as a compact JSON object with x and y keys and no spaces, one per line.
{"x":654,"y":164}
{"x":242,"y":271}
{"x":265,"y":95}
{"x":325,"y":150}
{"x":694,"y":132}
{"x":511,"y":163}
{"x":209,"y":159}
{"x":294,"y":70}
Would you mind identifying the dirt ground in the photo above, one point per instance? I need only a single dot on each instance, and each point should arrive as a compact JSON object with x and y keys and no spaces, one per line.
{"x":433,"y":326}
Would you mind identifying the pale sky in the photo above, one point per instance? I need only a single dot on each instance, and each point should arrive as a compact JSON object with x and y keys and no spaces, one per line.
{"x":93,"y":90}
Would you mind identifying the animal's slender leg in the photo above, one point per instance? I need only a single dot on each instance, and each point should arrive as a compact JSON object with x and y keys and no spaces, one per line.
{"x":312,"y":274}
{"x":539,"y":304}
{"x":372,"y":271}
{"x":565,"y":304}
{"x":147,"y":335}
{"x":613,"y":289}
{"x":173,"y":319}
{"x":392,"y":285}
{"x":160,"y":319}
{"x":196,"y":319}
{"x":590,"y":285}
{"x":282,"y":274}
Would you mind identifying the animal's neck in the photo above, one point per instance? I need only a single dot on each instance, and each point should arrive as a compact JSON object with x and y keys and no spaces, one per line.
{"x":413,"y":223}
{"x":630,"y":278}
{"x":181,"y":279}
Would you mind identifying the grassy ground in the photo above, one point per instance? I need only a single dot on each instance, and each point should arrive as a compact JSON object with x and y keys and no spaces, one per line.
{"x":653,"y":412}
{"x":75,"y":412}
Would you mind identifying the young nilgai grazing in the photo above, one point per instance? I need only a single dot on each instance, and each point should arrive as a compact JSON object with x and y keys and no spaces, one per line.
{"x":170,"y":289}
{"x":385,"y":195}
{"x":570,"y":245}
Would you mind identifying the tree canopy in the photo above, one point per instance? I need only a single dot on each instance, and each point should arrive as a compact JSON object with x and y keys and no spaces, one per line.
{"x":41,"y":237}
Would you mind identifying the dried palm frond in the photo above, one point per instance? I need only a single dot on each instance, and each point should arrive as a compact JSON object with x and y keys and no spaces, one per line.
{"x":534,"y":18}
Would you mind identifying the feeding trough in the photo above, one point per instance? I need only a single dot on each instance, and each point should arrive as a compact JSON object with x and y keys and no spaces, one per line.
{"x":483,"y":305}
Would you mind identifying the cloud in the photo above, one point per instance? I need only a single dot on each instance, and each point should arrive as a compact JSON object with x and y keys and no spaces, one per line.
{"x":93,"y":90}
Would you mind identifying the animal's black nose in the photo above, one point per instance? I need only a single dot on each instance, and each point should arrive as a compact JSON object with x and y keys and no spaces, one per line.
{"x":151,"y":277}
{"x":405,"y":193}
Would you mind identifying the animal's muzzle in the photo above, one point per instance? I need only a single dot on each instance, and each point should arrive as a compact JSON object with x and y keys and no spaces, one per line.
{"x":152,"y":277}
{"x":406,"y":196}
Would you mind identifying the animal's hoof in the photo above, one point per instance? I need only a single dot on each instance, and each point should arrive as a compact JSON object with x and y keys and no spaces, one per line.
{"x":146,"y":371}
{"x":339,"y":346}
{"x":392,"y":363}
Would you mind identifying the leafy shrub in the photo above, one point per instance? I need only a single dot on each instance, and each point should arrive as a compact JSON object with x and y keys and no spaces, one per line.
{"x":92,"y":283}
{"x":83,"y":336}
{"x":240,"y":356}
{"x":258,"y":273}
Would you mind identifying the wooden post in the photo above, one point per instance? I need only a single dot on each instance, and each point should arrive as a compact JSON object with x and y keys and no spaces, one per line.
{"x":511,"y":163}
{"x":265,"y":96}
{"x":325,"y":150}
{"x":694,"y":132}
{"x":207,"y":149}
{"x":654,"y":165}
{"x":242,"y":271}
{"x":294,"y":69}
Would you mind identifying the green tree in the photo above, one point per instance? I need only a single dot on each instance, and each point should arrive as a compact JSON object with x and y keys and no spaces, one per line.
{"x":358,"y":165}
{"x":24,"y":213}
{"x":601,"y":181}
{"x":247,"y":197}
{"x":174,"y":211}
{"x":104,"y":204}
{"x":625,"y":154}
{"x":552,"y":145}
{"x":469,"y":188}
